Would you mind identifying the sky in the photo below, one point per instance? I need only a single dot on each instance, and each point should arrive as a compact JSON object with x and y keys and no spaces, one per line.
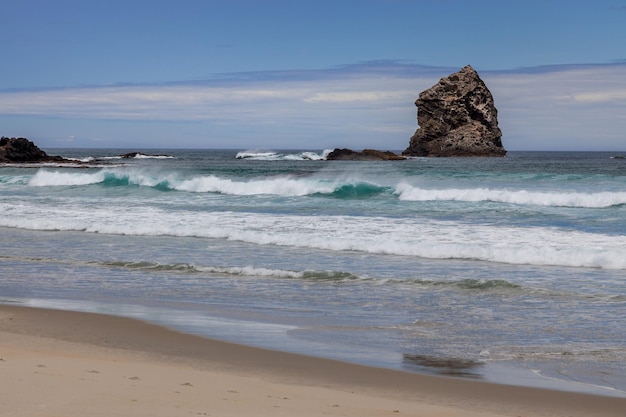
{"x":289,"y":74}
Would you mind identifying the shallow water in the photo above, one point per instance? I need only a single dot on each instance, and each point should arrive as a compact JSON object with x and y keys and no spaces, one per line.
{"x":509,"y":269}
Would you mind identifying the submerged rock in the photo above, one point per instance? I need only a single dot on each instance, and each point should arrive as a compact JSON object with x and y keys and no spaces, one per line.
{"x":365,"y":155}
{"x":457,"y":117}
{"x":22,"y":150}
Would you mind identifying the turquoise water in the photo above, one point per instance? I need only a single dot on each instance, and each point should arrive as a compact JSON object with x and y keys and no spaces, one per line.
{"x":508,"y":269}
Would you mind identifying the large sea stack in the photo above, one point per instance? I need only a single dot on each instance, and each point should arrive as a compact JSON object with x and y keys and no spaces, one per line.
{"x":457,"y":117}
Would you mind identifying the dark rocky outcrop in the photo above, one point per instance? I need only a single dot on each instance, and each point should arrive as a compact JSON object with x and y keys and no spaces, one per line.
{"x":131,"y":155}
{"x":22,"y":150}
{"x":457,"y":117}
{"x":365,"y":155}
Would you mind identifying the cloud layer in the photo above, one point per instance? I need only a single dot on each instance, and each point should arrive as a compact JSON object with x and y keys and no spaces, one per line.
{"x":564,"y":107}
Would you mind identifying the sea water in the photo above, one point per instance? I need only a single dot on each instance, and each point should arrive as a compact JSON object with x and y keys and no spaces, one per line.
{"x":508,"y":270}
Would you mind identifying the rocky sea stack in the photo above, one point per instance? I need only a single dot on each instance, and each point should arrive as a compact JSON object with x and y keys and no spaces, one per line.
{"x":457,"y":117}
{"x":22,"y":150}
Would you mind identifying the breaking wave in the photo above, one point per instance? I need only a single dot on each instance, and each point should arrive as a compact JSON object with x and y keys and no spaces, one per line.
{"x":284,"y":186}
{"x":281,"y":185}
{"x":289,"y":185}
{"x":45,"y":178}
{"x":375,"y":235}
{"x":602,"y":199}
{"x":132,"y":155}
{"x":277,"y":156}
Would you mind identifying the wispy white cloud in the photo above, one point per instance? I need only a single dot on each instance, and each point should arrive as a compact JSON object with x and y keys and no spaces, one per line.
{"x":607,"y":97}
{"x":574,"y":107}
{"x":566,"y":107}
{"x":354,"y":96}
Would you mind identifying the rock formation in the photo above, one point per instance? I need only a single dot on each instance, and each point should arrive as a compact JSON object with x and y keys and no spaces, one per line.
{"x":131,"y":155}
{"x":457,"y":117}
{"x":365,"y":155}
{"x":20,"y":150}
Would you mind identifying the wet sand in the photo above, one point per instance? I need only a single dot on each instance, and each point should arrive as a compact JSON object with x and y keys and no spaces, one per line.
{"x":60,"y":363}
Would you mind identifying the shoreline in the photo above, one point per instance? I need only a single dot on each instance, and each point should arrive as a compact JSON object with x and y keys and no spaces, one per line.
{"x":42,"y":346}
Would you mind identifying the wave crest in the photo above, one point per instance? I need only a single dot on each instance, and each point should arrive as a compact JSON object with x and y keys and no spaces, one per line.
{"x":289,"y":186}
{"x":277,"y":156}
{"x":368,"y":234}
{"x":294,"y":186}
{"x":602,"y":199}
{"x":45,"y":178}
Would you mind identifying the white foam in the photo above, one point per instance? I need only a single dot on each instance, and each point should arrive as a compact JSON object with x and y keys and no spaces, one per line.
{"x":276,"y":156}
{"x":46,"y":178}
{"x":539,"y":198}
{"x":301,"y":186}
{"x":252,"y":271}
{"x":257,"y":155}
{"x":284,"y":186}
{"x":84,"y":160}
{"x":136,"y":176}
{"x":380,"y":235}
{"x":145,"y":156}
{"x":139,"y":155}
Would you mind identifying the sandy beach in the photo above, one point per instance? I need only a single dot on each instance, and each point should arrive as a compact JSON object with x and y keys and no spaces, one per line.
{"x":59,"y":363}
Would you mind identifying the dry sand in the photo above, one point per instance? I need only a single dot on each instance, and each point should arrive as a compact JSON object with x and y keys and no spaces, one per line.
{"x":58,"y":363}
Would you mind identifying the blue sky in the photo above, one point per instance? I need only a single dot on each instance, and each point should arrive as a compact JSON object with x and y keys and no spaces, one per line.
{"x":272,"y":74}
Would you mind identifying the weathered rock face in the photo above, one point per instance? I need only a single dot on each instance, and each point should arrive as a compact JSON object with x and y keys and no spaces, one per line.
{"x":457,"y":117}
{"x":15,"y":150}
{"x":365,"y":155}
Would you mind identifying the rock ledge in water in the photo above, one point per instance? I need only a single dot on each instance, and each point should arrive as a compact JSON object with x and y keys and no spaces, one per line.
{"x":365,"y":155}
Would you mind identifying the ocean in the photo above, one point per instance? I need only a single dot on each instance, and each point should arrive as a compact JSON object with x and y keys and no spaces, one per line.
{"x":509,"y":270}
